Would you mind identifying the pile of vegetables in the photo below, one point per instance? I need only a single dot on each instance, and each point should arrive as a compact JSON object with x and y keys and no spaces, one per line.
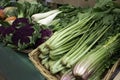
{"x":17,"y":30}
{"x":73,"y":42}
{"x":82,"y":49}
{"x":39,"y":21}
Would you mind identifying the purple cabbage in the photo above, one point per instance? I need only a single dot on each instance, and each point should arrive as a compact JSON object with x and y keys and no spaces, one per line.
{"x":1,"y":29}
{"x":46,"y":33}
{"x":22,"y":34}
{"x":19,"y":21}
{"x":22,"y":30}
{"x":39,"y":42}
{"x":7,"y":31}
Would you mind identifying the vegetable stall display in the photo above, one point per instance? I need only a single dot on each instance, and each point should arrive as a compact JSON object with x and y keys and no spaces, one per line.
{"x":74,"y":43}
{"x":81,"y":50}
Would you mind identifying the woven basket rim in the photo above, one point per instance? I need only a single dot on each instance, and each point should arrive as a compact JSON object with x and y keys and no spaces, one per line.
{"x":112,"y":70}
{"x":33,"y":56}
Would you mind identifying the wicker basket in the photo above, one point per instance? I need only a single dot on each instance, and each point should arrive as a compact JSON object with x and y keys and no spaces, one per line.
{"x":33,"y":56}
{"x":112,"y":70}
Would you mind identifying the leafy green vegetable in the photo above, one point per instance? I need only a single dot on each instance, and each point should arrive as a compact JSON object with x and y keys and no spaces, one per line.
{"x":4,"y":3}
{"x":27,"y":9}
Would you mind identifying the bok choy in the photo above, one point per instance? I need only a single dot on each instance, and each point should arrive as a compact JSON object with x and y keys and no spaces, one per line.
{"x":39,"y":16}
{"x":49,"y":19}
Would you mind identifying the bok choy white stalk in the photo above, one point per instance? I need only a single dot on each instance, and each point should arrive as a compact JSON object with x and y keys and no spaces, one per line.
{"x":49,"y":19}
{"x":39,"y":16}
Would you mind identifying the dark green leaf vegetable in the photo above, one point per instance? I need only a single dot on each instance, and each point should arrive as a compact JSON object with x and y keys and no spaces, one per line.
{"x":27,"y":9}
{"x":4,"y":3}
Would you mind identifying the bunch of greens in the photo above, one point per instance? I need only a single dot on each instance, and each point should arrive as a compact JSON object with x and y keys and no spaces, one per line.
{"x":27,"y":9}
{"x":89,"y":41}
{"x":94,"y":61}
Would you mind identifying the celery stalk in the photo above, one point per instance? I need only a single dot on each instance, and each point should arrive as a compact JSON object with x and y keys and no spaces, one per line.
{"x":95,"y":59}
{"x":83,"y":50}
{"x":59,"y":52}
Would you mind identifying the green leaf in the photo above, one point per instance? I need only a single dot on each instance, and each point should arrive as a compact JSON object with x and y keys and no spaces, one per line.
{"x":22,"y":46}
